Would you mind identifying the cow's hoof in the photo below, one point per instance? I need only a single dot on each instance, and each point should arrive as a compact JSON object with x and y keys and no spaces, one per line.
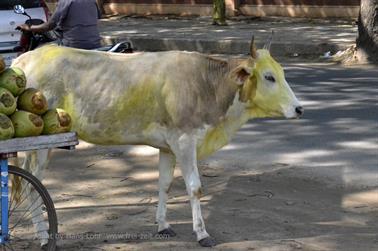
{"x":207,"y":242}
{"x":167,"y":232}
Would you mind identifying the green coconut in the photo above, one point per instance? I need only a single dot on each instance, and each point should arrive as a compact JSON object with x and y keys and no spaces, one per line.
{"x":6,"y":127}
{"x":56,"y":121}
{"x":7,"y":102}
{"x":32,"y":100}
{"x":26,"y":124}
{"x":14,"y":80}
{"x":2,"y":64}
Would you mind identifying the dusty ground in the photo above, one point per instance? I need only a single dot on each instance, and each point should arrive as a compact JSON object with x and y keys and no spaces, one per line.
{"x":108,"y":193}
{"x":309,"y":184}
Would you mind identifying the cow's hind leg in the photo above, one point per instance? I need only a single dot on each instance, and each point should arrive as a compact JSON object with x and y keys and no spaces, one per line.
{"x":185,"y":150}
{"x":167,"y":164}
{"x":35,"y":162}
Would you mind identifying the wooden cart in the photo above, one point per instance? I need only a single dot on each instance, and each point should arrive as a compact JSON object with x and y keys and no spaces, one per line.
{"x":37,"y":207}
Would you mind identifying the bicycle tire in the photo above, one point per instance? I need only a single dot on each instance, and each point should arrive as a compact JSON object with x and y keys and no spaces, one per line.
{"x":47,"y":211}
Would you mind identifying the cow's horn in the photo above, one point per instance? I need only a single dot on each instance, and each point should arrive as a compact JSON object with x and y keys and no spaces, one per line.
{"x":269,"y":42}
{"x":253,"y":48}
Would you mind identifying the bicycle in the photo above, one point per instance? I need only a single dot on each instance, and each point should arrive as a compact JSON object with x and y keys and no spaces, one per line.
{"x":28,"y":216}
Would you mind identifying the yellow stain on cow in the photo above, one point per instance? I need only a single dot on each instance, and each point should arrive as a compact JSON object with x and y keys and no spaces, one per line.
{"x":259,"y":108}
{"x":139,"y":106}
{"x":265,"y":61}
{"x":214,"y":139}
{"x":219,"y":136}
{"x":67,"y":103}
{"x":51,"y":52}
{"x":46,"y":56}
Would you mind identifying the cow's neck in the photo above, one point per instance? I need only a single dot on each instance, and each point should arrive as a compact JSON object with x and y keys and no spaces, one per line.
{"x":220,"y":134}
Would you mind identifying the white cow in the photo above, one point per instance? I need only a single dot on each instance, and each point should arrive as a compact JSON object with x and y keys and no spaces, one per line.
{"x":186,"y":104}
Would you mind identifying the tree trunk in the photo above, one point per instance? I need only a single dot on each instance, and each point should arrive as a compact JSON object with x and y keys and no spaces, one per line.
{"x":367,"y":40}
{"x":219,"y":12}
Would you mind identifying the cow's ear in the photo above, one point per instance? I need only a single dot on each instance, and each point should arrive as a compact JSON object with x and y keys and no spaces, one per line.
{"x":248,"y":90}
{"x":241,"y":73}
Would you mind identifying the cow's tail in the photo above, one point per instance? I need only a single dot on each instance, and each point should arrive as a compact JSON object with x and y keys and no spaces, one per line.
{"x":16,"y":182}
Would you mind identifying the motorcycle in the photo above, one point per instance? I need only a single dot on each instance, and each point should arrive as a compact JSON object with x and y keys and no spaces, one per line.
{"x":31,"y":40}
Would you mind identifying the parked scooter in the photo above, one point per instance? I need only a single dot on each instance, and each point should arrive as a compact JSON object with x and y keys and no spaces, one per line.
{"x":31,"y":40}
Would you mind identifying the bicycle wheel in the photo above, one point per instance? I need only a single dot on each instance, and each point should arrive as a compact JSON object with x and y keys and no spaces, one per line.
{"x":32,"y":217}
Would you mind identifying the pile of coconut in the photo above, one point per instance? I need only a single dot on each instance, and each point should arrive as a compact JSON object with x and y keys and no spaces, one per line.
{"x":24,"y":111}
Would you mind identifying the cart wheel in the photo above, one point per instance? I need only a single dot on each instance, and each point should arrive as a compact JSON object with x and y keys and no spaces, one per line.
{"x":32,"y":217}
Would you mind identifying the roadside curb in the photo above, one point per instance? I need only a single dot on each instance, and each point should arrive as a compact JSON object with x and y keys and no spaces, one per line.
{"x":225,"y":46}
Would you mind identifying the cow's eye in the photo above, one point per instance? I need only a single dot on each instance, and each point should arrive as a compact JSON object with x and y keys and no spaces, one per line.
{"x":270,"y":78}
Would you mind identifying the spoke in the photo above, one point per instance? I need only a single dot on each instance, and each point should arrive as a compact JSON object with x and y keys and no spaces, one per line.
{"x":15,"y":237}
{"x":44,"y":230}
{"x":27,"y":210}
{"x":22,"y":212}
{"x":18,"y":239}
{"x":44,"y":220}
{"x":12,"y":198}
{"x":22,"y":201}
{"x":24,"y":188}
{"x":21,"y":225}
{"x":12,"y":229}
{"x":9,"y":245}
{"x":30,"y":212}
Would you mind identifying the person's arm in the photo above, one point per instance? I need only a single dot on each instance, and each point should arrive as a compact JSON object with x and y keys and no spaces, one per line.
{"x":58,"y":16}
{"x":37,"y":28}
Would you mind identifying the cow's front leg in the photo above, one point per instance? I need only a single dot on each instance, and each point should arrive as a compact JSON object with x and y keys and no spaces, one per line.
{"x":185,"y":150}
{"x":167,"y":164}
